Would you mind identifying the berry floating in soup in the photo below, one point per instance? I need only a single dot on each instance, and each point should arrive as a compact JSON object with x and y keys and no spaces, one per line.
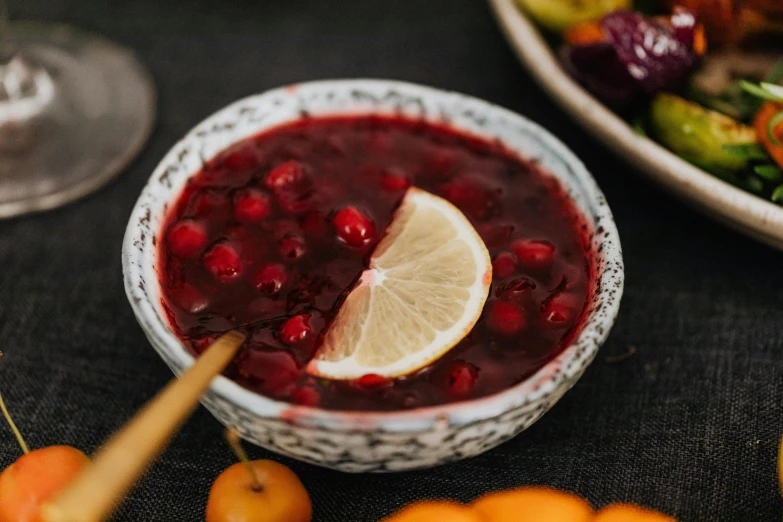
{"x":273,"y":234}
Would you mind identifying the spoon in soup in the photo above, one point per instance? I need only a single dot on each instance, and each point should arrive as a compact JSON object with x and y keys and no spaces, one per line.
{"x":119,"y":463}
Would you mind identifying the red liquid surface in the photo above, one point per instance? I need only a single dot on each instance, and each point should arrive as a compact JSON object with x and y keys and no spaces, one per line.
{"x":251,"y":244}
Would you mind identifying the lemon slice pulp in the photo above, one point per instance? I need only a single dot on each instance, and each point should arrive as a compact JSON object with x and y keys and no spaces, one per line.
{"x":424,"y":291}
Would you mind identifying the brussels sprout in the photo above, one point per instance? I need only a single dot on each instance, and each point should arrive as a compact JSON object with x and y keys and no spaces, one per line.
{"x":699,"y":135}
{"x":558,"y":15}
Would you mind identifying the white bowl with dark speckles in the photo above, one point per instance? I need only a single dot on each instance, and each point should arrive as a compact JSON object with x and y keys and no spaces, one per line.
{"x":376,"y":441}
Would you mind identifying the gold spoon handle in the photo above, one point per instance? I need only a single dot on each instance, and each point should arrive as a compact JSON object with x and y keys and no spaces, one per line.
{"x":120,"y":462}
{"x":780,"y":466}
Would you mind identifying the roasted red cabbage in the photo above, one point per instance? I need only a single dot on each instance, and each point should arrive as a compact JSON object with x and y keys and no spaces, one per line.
{"x":640,"y":56}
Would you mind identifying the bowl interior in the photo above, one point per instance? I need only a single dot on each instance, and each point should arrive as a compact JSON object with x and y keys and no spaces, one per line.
{"x":255,"y":114}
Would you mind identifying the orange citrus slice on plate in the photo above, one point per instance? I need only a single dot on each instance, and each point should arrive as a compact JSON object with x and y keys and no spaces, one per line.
{"x":423,"y":292}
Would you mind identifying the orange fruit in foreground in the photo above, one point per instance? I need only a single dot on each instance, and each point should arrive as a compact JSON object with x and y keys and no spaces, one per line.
{"x":533,"y":504}
{"x":282,"y":498}
{"x":35,"y":478}
{"x":435,"y":511}
{"x":630,"y":513}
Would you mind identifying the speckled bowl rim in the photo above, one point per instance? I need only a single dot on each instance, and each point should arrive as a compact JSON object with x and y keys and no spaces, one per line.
{"x":558,"y":372}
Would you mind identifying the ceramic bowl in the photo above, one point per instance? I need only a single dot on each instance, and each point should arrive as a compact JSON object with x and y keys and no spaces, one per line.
{"x":375,"y":441}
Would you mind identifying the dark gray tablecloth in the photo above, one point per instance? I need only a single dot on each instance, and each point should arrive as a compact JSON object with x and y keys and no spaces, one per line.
{"x":688,"y":425}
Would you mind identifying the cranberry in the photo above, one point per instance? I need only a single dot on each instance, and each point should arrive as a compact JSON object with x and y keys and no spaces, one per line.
{"x":372,"y":381}
{"x":251,"y":205}
{"x":270,"y":278}
{"x":535,"y":255}
{"x":223,"y":262}
{"x":462,"y":380}
{"x":292,"y":187}
{"x":394,"y":181}
{"x":557,"y":313}
{"x":292,"y":246}
{"x":189,"y":298}
{"x":286,"y":175}
{"x":296,"y":329}
{"x":186,"y":238}
{"x":275,"y":371}
{"x":354,"y":227}
{"x":515,"y":289}
{"x":306,"y":396}
{"x":507,"y":318}
{"x":503,"y":265}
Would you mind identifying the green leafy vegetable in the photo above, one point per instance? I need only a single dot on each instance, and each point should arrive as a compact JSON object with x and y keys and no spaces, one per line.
{"x":775,"y":90}
{"x":747,"y":151}
{"x":762,"y":90}
{"x":769,"y":172}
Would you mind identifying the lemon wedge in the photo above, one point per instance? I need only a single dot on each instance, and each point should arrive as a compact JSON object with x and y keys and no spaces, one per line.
{"x":425,"y":289}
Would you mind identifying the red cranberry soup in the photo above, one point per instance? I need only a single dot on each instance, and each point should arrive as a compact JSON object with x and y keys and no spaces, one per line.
{"x":271,"y":235}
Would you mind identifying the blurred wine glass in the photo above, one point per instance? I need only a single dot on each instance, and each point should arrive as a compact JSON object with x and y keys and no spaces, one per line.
{"x":75,"y":109}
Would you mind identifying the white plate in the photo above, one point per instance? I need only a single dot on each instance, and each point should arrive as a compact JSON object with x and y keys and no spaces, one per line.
{"x":736,"y":208}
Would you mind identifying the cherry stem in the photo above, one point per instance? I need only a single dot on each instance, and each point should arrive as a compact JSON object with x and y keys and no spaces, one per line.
{"x":16,"y":431}
{"x":235,"y":441}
